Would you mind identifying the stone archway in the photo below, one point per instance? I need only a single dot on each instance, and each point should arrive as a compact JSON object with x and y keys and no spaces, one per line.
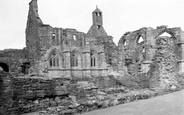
{"x":4,"y":66}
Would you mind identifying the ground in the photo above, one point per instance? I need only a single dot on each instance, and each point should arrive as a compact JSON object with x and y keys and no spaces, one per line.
{"x":170,"y":104}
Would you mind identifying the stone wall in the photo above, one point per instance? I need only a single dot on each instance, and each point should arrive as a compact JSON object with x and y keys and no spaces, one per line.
{"x":45,"y":43}
{"x":163,"y":70}
{"x":22,"y":95}
{"x":159,"y":54}
{"x":13,"y":60}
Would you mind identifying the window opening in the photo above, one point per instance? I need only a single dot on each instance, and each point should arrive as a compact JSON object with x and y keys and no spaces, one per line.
{"x":74,"y":59}
{"x":98,"y":26}
{"x":54,"y":60}
{"x":140,"y":40}
{"x":53,"y":35}
{"x":93,"y":60}
{"x":74,"y":37}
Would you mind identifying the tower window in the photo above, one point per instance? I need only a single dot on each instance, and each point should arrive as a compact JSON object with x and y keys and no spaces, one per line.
{"x":96,"y":13}
{"x":100,"y":14}
{"x":65,"y":33}
{"x":98,"y":26}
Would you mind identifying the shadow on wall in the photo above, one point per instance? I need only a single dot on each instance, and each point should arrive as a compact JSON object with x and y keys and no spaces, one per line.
{"x":4,"y":67}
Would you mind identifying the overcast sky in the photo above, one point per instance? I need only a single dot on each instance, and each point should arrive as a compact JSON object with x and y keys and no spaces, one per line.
{"x":119,"y":16}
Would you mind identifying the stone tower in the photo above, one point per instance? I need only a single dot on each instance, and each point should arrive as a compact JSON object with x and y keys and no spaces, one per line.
{"x":32,"y":32}
{"x":97,"y":29}
{"x":97,"y":17}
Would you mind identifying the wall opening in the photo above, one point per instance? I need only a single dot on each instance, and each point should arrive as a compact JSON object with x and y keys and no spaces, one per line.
{"x":124,"y":43}
{"x":54,"y":59}
{"x":165,"y":34}
{"x":140,"y":40}
{"x":4,"y":67}
{"x":25,"y":66}
{"x":74,"y":37}
{"x":98,"y":26}
{"x":53,"y":35}
{"x":99,"y":14}
{"x":74,"y":59}
{"x":93,"y":58}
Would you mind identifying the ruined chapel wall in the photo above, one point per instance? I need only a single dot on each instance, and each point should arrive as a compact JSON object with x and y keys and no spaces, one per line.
{"x":32,"y":35}
{"x":132,"y":51}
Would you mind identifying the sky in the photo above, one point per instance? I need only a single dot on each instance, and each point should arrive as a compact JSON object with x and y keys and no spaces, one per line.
{"x":119,"y":16}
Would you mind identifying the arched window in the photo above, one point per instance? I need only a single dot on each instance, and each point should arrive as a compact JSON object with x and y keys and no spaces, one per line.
{"x":144,"y":53}
{"x":125,"y":43}
{"x":93,"y":59}
{"x":165,"y":34}
{"x":54,"y":59}
{"x":74,"y":59}
{"x":74,"y":37}
{"x":140,"y":40}
{"x":4,"y":67}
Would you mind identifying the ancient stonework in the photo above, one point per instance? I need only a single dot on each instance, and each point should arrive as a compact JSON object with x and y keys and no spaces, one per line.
{"x":164,"y":65}
{"x":156,"y":52}
{"x":56,"y":61}
{"x":59,"y":52}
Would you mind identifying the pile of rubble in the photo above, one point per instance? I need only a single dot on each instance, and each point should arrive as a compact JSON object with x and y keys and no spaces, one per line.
{"x":100,"y":98}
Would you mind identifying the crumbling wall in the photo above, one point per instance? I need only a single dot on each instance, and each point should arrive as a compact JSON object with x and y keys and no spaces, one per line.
{"x":157,"y":55}
{"x":28,"y":94}
{"x":14,"y":59}
{"x":32,"y":32}
{"x":6,"y":92}
{"x":110,"y":50}
{"x":132,"y":51}
{"x":163,"y":70}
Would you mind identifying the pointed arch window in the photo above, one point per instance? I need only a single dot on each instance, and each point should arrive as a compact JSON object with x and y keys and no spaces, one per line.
{"x":165,"y":34}
{"x":140,"y":39}
{"x":74,"y":59}
{"x":93,"y":59}
{"x":124,"y":42}
{"x":54,"y":59}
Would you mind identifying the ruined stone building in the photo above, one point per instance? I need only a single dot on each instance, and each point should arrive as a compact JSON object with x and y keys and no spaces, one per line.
{"x":156,"y":52}
{"x":58,"y":52}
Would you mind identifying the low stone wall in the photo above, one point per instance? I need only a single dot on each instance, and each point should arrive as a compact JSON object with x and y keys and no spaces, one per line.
{"x":28,"y":94}
{"x":5,"y":92}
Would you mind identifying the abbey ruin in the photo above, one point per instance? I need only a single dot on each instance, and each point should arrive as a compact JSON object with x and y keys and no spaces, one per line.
{"x":58,"y":52}
{"x":59,"y":57}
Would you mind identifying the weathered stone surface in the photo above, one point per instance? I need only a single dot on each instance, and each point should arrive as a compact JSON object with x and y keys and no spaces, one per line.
{"x":27,"y":94}
{"x":6,"y":92}
{"x":151,"y":56}
{"x":164,"y":64}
